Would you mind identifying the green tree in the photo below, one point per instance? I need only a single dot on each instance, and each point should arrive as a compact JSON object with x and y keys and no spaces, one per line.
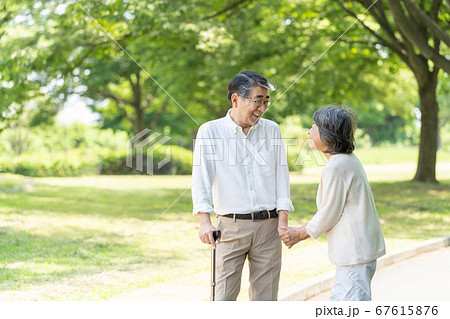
{"x":55,"y":49}
{"x":192,"y":49}
{"x":416,"y":33}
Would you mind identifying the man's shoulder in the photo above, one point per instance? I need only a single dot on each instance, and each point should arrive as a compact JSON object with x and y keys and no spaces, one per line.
{"x":269,"y":124}
{"x":213,"y":124}
{"x":212,"y":127}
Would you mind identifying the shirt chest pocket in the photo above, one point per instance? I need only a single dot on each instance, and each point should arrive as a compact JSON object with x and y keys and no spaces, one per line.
{"x":266,"y":163}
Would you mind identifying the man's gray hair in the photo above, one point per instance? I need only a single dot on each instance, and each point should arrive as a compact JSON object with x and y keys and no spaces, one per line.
{"x":245,"y":81}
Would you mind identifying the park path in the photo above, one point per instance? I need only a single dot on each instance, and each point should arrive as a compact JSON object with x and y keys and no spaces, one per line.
{"x":423,"y":277}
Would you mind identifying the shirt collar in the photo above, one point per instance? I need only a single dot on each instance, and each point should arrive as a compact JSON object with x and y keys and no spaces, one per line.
{"x":234,"y":127}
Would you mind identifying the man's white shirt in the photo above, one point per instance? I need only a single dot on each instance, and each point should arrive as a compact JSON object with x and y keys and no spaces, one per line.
{"x":235,"y":173}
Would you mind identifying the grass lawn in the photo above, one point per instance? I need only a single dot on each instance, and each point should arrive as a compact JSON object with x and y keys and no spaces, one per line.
{"x":59,"y":235}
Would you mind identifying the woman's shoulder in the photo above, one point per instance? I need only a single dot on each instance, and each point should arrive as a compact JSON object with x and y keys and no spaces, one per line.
{"x":344,"y":163}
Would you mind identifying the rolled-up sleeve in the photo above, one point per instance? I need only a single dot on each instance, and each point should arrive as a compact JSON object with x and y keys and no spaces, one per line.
{"x":283,"y":201}
{"x":203,"y":172}
{"x":331,"y":201}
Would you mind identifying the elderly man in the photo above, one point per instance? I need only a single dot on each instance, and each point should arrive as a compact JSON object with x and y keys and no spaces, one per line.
{"x":240,"y":172}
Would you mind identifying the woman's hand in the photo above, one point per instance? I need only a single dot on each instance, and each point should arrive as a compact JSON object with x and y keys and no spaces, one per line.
{"x":292,"y":235}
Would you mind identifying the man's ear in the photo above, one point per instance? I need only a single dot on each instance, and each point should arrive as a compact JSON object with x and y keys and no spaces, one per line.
{"x":234,"y":99}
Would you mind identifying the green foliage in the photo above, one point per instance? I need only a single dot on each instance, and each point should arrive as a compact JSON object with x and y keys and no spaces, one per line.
{"x":295,"y":160}
{"x":51,"y":50}
{"x":383,"y":125}
{"x":56,"y":150}
{"x":80,"y":150}
{"x":69,"y":164}
{"x":180,"y":163}
{"x":53,"y":139}
{"x":444,"y":112}
{"x":280,"y":40}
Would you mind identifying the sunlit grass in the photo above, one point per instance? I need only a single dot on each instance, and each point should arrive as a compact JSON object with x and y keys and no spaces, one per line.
{"x":59,"y":234}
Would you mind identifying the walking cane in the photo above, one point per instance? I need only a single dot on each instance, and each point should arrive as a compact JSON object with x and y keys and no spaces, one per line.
{"x":216,"y":235}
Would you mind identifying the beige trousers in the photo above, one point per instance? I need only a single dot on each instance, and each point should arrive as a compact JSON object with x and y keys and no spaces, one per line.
{"x":257,"y":240}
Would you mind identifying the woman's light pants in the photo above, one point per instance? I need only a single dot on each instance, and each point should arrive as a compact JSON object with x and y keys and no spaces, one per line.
{"x":352,"y":283}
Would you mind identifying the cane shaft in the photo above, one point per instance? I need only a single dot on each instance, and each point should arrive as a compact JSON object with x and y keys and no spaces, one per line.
{"x":213,"y":274}
{"x":216,"y":235}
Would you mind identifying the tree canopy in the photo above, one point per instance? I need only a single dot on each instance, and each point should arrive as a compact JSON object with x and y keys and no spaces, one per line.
{"x":165,"y":65}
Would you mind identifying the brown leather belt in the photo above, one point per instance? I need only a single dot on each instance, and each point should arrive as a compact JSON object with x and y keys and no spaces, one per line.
{"x":261,"y":215}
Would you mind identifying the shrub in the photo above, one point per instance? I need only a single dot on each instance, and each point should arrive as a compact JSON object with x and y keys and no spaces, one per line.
{"x":114,"y":163}
{"x":45,"y":165}
{"x":293,"y":156}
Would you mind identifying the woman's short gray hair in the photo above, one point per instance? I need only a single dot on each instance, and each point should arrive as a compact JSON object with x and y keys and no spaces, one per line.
{"x":337,"y":127}
{"x":245,"y":81}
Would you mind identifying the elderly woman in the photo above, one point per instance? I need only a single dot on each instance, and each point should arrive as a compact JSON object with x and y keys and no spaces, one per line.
{"x":346,"y":211}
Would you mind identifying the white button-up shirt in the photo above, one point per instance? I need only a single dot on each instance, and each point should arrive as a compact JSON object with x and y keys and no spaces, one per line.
{"x":235,"y":173}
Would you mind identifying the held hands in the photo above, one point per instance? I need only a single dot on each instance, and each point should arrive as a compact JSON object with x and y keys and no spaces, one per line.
{"x":292,"y":235}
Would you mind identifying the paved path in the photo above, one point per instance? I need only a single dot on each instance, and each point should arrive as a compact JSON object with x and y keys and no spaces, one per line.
{"x":424,"y":277}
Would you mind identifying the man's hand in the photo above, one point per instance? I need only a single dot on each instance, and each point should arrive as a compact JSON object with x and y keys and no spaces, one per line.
{"x":206,"y":230}
{"x":282,"y":221}
{"x":292,"y":235}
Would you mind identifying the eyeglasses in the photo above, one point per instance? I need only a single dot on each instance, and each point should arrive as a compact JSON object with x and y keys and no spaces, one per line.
{"x":259,"y":103}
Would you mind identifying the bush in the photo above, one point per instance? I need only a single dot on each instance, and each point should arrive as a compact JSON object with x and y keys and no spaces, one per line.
{"x":72,"y":150}
{"x":292,"y":158}
{"x":57,"y":165}
{"x":85,"y":162}
{"x":20,"y":140}
{"x":114,"y":163}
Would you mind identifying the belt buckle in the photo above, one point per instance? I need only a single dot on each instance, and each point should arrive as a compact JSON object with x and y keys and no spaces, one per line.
{"x":253,"y":217}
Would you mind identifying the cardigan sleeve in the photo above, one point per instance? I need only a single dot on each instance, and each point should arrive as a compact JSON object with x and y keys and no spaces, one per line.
{"x":331,"y":199}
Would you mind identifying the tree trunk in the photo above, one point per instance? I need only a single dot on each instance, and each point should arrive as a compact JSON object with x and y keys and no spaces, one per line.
{"x":426,"y":167}
{"x":139,"y":124}
{"x":139,"y":120}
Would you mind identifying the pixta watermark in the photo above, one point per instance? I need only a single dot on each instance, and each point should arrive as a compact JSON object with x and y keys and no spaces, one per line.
{"x":142,"y":147}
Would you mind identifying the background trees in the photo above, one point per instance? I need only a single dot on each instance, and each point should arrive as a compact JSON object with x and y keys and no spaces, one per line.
{"x":181,"y":55}
{"x":417,"y":32}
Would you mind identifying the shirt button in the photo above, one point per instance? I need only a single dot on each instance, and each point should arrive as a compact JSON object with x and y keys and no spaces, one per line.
{"x":251,"y":188}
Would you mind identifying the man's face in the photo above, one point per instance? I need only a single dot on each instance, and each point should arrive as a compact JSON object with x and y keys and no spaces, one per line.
{"x":250,"y":110}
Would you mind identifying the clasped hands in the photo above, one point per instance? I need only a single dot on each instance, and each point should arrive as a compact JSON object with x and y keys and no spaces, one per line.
{"x":292,"y":235}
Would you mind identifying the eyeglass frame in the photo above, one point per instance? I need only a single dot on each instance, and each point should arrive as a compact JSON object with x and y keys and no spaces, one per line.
{"x":260,"y":102}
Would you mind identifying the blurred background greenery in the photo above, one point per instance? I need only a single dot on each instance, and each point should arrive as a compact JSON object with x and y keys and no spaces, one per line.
{"x":78,"y":79}
{"x":59,"y":66}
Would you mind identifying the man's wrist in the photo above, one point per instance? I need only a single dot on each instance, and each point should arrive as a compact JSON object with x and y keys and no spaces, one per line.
{"x":282,"y":218}
{"x":205,"y":219}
